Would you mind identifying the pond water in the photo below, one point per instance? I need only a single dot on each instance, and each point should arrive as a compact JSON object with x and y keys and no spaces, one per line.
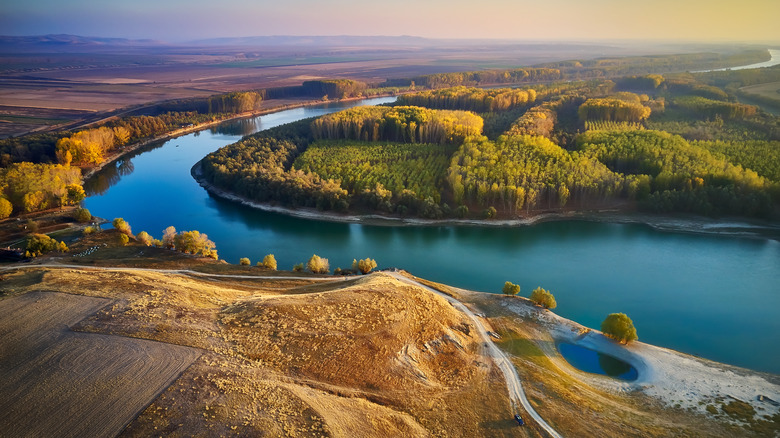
{"x":592,"y":361}
{"x":713,"y":296}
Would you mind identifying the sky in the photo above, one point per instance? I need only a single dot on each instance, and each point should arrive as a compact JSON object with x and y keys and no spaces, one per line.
{"x":569,"y":20}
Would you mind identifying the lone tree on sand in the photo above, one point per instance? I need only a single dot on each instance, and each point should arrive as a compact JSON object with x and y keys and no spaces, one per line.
{"x":511,"y":288}
{"x":619,"y":327}
{"x":543,"y":298}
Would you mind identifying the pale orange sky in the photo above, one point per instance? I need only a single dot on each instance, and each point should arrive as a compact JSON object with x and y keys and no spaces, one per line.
{"x":177,"y":20}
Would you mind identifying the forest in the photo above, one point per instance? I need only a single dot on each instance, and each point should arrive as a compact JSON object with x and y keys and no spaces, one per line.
{"x":576,"y":134}
{"x":654,"y":143}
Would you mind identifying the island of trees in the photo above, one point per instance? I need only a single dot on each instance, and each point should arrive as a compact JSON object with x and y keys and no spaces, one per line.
{"x":581,"y":134}
{"x":654,"y":143}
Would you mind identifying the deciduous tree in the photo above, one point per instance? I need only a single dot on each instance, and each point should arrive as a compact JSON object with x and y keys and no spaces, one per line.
{"x":544,"y":298}
{"x":511,"y":288}
{"x":269,"y":262}
{"x":318,"y":265}
{"x":619,"y":327}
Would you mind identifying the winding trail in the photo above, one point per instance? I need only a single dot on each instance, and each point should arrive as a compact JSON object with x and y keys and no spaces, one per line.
{"x":512,"y":379}
{"x":516,"y":393}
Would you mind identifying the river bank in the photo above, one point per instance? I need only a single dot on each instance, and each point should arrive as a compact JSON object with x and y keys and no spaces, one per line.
{"x":280,"y":106}
{"x":677,"y":380}
{"x":736,"y":227}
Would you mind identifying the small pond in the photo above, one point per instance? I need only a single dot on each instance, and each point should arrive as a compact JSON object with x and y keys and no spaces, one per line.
{"x":594,"y":362}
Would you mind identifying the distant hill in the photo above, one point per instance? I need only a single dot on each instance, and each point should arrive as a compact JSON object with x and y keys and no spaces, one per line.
{"x":337,"y":40}
{"x":64,"y":42}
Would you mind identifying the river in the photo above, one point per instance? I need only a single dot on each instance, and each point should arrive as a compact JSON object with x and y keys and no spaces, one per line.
{"x":773,"y":60}
{"x":708,"y":295}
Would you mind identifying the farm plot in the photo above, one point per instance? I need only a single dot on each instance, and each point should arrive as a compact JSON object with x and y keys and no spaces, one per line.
{"x":56,"y":382}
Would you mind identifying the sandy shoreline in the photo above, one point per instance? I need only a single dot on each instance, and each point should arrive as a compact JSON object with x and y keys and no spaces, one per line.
{"x":674,"y":378}
{"x":697,"y":225}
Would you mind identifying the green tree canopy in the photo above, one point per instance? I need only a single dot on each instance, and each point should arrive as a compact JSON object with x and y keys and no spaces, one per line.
{"x":121,"y":226}
{"x":544,"y":298}
{"x":82,"y":215}
{"x":38,"y":244}
{"x":619,"y":327}
{"x":511,"y":288}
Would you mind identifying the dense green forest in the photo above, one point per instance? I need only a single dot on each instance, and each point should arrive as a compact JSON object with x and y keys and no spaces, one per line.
{"x":654,"y":143}
{"x":471,"y":99}
{"x":379,"y":170}
{"x":406,"y":124}
{"x":577,"y":134}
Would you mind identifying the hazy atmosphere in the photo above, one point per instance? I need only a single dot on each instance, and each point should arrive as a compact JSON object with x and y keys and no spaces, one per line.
{"x":179,"y":20}
{"x":342,"y":218}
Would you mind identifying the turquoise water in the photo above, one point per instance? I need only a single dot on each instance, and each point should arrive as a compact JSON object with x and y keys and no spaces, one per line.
{"x":591,"y":361}
{"x":717,"y":297}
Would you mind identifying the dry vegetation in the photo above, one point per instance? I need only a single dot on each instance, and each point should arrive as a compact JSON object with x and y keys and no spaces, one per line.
{"x":364,"y":356}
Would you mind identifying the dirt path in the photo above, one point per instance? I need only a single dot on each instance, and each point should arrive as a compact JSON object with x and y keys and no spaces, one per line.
{"x":173,"y":271}
{"x":501,"y":360}
{"x":60,"y":383}
{"x":511,"y":377}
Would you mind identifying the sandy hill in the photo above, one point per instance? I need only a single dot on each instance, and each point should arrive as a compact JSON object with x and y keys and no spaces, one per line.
{"x":365,"y":357}
{"x":139,"y":341}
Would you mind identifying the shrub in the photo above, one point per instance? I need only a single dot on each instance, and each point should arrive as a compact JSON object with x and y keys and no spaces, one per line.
{"x":298,"y":267}
{"x":90,"y":230}
{"x":366,"y":265}
{"x":489,"y":213}
{"x":123,"y":239}
{"x":619,"y":327}
{"x":511,"y":288}
{"x":6,"y":208}
{"x":38,"y":244}
{"x":144,"y":238}
{"x":82,"y":215}
{"x":31,"y":226}
{"x":193,"y":242}
{"x":544,"y":298}
{"x":318,"y":265}
{"x":122,"y":226}
{"x":244,"y":261}
{"x":269,"y":262}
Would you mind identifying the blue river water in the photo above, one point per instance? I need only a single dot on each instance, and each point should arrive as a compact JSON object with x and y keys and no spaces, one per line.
{"x":712,"y":296}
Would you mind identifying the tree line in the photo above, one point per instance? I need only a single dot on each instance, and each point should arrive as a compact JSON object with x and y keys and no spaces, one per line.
{"x":32,"y":187}
{"x":470,"y":99}
{"x":329,"y":88}
{"x":613,"y":110}
{"x":405,"y":124}
{"x":526,"y":75}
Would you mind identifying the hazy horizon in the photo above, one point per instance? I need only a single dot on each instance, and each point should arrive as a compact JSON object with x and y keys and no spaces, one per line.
{"x":176,"y":21}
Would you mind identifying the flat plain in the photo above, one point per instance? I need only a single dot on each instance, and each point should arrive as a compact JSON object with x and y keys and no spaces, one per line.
{"x":84,"y":384}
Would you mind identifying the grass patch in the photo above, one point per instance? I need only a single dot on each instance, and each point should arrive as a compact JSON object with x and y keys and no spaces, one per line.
{"x":739,"y":410}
